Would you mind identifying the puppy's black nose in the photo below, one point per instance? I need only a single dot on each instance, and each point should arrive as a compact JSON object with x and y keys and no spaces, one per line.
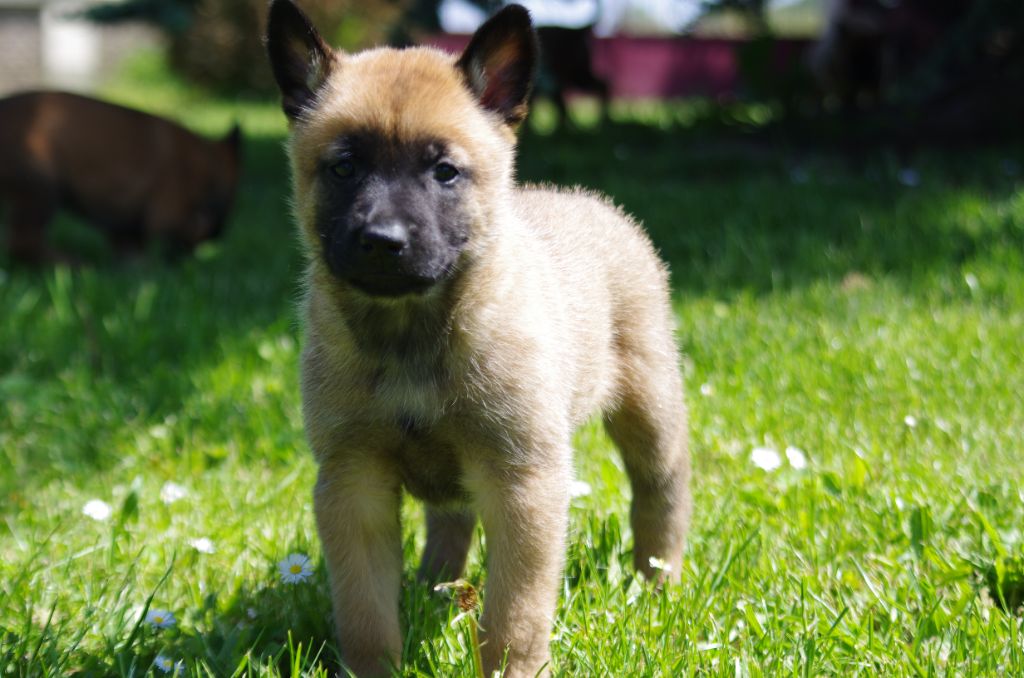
{"x":384,"y":239}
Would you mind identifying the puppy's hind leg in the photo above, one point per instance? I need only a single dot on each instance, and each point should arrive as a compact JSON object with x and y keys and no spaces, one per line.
{"x":649,"y":428}
{"x":449,"y":534}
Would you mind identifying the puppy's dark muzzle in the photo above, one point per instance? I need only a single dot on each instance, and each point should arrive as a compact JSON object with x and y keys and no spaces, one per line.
{"x":383,"y":244}
{"x":380,"y":261}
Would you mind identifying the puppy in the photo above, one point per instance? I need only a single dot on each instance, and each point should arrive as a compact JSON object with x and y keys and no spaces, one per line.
{"x":459,"y":327}
{"x":135,"y":176}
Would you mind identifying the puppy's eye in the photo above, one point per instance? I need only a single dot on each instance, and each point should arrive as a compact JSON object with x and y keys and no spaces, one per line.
{"x":343,"y":169}
{"x":445,"y":172}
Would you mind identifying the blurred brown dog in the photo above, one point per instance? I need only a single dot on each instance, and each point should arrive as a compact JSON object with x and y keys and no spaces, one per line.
{"x":135,"y":176}
{"x":458,"y":329}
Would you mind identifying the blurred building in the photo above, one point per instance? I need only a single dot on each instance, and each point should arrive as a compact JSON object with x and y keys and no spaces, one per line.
{"x":44,"y":44}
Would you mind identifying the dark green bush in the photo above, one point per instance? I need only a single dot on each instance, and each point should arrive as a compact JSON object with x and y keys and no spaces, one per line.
{"x":217,"y":43}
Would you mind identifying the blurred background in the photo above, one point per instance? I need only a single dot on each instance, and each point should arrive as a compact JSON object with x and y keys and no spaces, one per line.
{"x":932,"y":69}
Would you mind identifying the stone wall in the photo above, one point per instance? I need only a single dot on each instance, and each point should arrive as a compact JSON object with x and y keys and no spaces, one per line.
{"x":21,"y":57}
{"x":41,"y":46}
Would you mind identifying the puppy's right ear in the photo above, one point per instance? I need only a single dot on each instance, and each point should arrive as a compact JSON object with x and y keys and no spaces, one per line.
{"x":299,"y":57}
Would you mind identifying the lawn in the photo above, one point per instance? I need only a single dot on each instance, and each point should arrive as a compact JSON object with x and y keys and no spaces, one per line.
{"x":851,"y":331}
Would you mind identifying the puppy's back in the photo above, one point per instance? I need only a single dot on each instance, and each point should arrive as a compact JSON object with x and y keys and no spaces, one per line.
{"x":598,"y":250}
{"x":612,"y":289}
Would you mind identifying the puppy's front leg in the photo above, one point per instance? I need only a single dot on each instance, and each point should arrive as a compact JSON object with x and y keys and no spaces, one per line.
{"x":357,"y":513}
{"x":525,"y":512}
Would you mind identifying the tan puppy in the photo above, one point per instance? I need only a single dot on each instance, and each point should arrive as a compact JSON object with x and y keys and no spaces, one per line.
{"x":458,"y":329}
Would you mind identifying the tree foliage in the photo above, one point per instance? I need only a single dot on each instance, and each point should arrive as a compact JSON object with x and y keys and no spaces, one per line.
{"x":218,"y":43}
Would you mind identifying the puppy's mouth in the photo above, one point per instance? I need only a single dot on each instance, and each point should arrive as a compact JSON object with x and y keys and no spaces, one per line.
{"x":391,"y":284}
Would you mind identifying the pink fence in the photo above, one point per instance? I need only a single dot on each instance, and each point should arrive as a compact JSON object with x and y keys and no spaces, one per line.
{"x":637,"y":68}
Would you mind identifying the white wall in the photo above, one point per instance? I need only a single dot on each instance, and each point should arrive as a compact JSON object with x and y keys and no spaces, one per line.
{"x":70,"y":47}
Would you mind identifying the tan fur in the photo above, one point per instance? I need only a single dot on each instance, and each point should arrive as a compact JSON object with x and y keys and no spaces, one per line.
{"x":560,"y":311}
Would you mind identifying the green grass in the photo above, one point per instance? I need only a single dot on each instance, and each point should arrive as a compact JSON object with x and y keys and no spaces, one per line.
{"x":822,"y":304}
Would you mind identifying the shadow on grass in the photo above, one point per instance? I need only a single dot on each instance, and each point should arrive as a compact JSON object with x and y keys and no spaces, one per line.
{"x":285,"y":626}
{"x":88,"y":356}
{"x":736,"y":214}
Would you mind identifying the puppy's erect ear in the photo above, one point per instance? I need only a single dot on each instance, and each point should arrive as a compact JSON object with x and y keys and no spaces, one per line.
{"x":299,"y":57}
{"x":500,"y":62}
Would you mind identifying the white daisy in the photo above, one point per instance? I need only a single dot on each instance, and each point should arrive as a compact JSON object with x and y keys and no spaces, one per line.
{"x":168,"y":665}
{"x":160,"y":619}
{"x":295,"y":568}
{"x":707,"y":390}
{"x":910,"y":420}
{"x":172,"y":492}
{"x":797,"y":458}
{"x":97,"y":509}
{"x":578,"y":488}
{"x":659,"y":564}
{"x":765,"y":458}
{"x":202,"y":544}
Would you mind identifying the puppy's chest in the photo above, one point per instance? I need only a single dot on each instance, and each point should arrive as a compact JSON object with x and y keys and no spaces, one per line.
{"x":416,"y":410}
{"x":406,"y":398}
{"x":429,"y":465}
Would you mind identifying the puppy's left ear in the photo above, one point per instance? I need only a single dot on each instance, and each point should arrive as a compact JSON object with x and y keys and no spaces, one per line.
{"x":500,"y":62}
{"x":299,"y":57}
